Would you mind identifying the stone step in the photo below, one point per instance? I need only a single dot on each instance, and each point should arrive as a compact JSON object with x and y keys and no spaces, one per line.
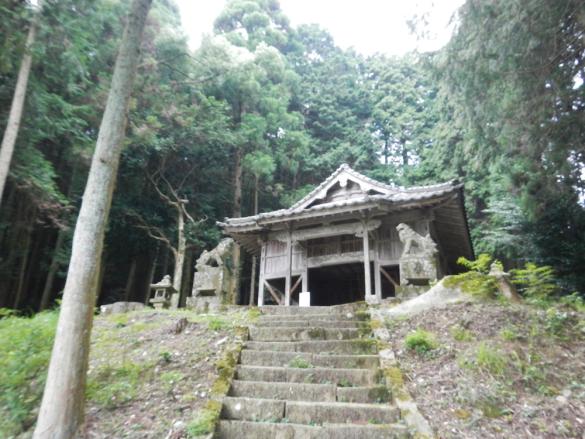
{"x":311,"y":323}
{"x":251,"y":357}
{"x":265,"y":430}
{"x":319,"y":317}
{"x":309,"y":392}
{"x":309,"y":375}
{"x":284,"y":391}
{"x":287,"y":333}
{"x":296,"y":310}
{"x":355,"y":346}
{"x":300,"y":412}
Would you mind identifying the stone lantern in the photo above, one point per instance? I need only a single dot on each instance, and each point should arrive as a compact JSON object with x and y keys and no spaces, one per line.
{"x":163,"y":292}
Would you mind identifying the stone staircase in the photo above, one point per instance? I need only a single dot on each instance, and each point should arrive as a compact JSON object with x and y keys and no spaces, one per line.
{"x":306,"y":373}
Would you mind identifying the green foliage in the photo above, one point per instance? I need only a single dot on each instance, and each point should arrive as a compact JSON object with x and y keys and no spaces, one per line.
{"x":300,"y":363}
{"x":205,"y":421}
{"x":421,"y":341}
{"x":489,"y":359}
{"x":534,"y":281}
{"x":476,"y":281}
{"x":217,"y":324}
{"x":25,"y":349}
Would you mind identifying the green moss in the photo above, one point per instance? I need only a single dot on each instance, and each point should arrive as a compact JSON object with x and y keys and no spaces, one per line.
{"x":460,"y":334}
{"x":365,"y":346}
{"x":226,"y":367}
{"x":362,"y":315}
{"x":317,"y":333}
{"x":205,"y":422}
{"x":254,"y":314}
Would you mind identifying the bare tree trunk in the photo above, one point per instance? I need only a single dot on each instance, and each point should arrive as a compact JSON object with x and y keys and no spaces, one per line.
{"x":180,"y":253}
{"x":237,"y":212}
{"x":150,"y":277}
{"x":254,"y":258}
{"x":15,"y":116}
{"x":46,"y":297}
{"x":62,"y":407}
{"x":130,"y":281}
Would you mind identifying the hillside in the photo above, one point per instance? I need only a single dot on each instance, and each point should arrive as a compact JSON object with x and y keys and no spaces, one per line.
{"x":150,"y":372}
{"x":495,"y":370}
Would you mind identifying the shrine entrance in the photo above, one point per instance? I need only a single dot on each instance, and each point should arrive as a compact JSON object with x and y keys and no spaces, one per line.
{"x":336,"y":284}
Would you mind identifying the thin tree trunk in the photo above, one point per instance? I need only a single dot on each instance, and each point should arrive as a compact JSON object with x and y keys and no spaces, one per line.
{"x":237,"y":212}
{"x":150,"y":277}
{"x":180,"y":253}
{"x":253,"y":270}
{"x":62,"y":408}
{"x":15,"y":116}
{"x":130,"y":281}
{"x":46,"y":297}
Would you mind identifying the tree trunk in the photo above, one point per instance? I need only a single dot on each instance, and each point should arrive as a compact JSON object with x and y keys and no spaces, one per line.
{"x":130,"y":281}
{"x":180,"y":253}
{"x":46,"y":297}
{"x":62,"y":408}
{"x":254,"y":258}
{"x":15,"y":116}
{"x":236,"y":213}
{"x":150,"y":277}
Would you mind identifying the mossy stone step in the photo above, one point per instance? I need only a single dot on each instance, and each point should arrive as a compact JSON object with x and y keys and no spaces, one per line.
{"x":301,"y":412}
{"x":310,"y":392}
{"x":353,"y":346}
{"x":359,"y":316}
{"x":251,"y":357}
{"x":311,"y":323}
{"x":309,"y":375}
{"x":264,"y":430}
{"x":287,"y":333}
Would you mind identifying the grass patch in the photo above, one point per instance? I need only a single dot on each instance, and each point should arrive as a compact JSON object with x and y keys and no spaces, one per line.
{"x":300,"y":363}
{"x":421,"y":341}
{"x":461,"y":334}
{"x":114,"y":385}
{"x":217,"y":324}
{"x":170,"y":379}
{"x":25,"y":350}
{"x":509,"y":334}
{"x":487,"y":359}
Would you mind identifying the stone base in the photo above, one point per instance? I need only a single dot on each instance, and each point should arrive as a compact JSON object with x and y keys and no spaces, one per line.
{"x":372,"y":299}
{"x":203,"y":304}
{"x":410,"y":291}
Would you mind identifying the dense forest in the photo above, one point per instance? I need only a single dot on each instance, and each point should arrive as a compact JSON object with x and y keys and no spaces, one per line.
{"x":263,"y":111}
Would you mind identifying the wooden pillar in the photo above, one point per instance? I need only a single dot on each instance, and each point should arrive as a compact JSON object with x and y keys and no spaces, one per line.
{"x":261,"y":277}
{"x":287,"y":285}
{"x":377,"y":279}
{"x":305,"y":284}
{"x":366,"y":241}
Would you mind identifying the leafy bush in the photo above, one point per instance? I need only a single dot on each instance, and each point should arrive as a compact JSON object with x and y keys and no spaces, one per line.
{"x":421,"y":341}
{"x":25,"y":350}
{"x":476,"y":281}
{"x":534,"y":281}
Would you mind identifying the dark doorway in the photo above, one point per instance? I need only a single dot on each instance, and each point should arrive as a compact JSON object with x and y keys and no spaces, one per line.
{"x":337,"y":284}
{"x":390,"y":277}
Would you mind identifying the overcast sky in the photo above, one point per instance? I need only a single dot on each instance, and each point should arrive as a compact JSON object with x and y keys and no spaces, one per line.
{"x":367,"y":25}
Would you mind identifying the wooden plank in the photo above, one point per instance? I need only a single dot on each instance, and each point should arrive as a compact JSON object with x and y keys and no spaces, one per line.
{"x":387,"y":276}
{"x":296,"y":284}
{"x":273,"y":293}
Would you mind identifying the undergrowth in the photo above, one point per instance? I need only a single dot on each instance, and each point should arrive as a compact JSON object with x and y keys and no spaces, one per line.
{"x":421,"y":341}
{"x":25,"y":350}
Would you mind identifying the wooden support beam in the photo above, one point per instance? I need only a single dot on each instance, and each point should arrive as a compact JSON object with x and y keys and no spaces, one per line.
{"x":274,"y":292}
{"x":366,"y":245}
{"x":289,"y":250}
{"x":296,"y":284}
{"x":262,"y":271}
{"x":387,"y":276}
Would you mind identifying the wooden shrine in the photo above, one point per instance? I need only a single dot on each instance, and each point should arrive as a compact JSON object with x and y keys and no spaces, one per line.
{"x":354,"y":238}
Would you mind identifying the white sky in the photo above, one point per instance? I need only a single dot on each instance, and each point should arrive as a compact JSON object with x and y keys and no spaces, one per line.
{"x":367,"y":25}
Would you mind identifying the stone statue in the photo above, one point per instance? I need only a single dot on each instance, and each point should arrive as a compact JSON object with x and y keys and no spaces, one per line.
{"x":414,"y":243}
{"x":163,"y":293}
{"x":214,"y":279}
{"x":418,"y":262}
{"x":506,"y":287}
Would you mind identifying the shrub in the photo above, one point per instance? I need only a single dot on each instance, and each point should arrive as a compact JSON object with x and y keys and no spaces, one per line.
{"x":534,"y":281}
{"x":25,"y":350}
{"x":421,"y":341}
{"x":476,"y":281}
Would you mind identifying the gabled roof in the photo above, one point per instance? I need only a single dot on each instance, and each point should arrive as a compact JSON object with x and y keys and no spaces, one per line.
{"x":372,"y":193}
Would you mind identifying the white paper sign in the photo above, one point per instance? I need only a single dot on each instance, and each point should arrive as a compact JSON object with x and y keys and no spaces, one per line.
{"x":305,"y":299}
